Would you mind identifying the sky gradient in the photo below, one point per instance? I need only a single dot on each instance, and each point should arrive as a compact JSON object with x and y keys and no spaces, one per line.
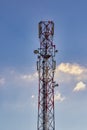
{"x":18,"y":77}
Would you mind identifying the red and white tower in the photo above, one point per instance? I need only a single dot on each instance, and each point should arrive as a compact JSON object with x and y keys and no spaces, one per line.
{"x":46,"y":66}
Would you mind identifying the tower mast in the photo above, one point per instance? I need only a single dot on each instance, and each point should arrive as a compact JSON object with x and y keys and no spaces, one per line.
{"x":46,"y":66}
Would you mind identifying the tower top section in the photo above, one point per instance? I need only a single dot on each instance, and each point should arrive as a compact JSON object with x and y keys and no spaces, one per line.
{"x":46,"y":28}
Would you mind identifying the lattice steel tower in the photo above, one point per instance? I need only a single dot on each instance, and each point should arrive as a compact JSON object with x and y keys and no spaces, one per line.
{"x":46,"y":66}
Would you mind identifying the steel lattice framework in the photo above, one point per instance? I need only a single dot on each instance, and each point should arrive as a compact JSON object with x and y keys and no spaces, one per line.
{"x":46,"y":65}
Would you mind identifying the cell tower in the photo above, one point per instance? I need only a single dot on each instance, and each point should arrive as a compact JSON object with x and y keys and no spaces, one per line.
{"x":46,"y":66}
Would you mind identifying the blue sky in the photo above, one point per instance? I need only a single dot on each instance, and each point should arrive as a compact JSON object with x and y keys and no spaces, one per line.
{"x":18,"y":78}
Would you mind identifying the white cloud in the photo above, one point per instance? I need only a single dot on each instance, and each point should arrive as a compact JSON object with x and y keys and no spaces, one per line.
{"x":2,"y":81}
{"x":80,"y":86}
{"x":70,"y":73}
{"x":59,"y":97}
{"x":73,"y":69}
{"x":66,"y":73}
{"x":29,"y":77}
